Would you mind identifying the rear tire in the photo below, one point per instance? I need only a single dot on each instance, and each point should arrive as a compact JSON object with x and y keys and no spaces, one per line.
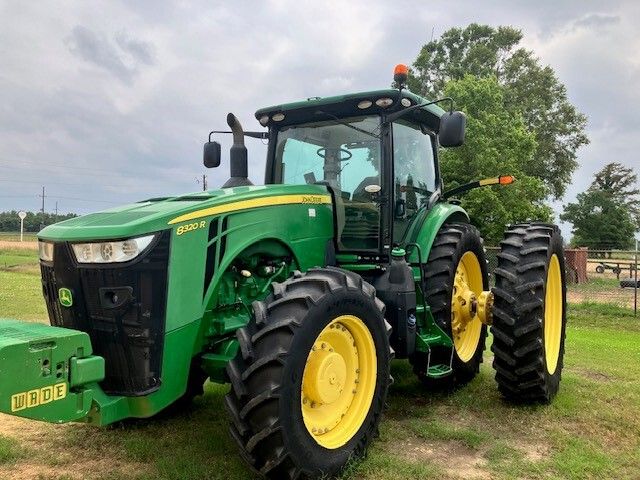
{"x":529,"y":313}
{"x":268,"y":420}
{"x":451,"y":243}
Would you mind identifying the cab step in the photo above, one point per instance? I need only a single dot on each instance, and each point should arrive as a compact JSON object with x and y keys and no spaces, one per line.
{"x":439,"y":371}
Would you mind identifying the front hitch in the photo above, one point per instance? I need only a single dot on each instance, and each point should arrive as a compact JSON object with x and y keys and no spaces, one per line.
{"x":47,"y":373}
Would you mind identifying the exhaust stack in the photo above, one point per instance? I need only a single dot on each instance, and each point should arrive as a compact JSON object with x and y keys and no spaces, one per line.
{"x":238,"y":156}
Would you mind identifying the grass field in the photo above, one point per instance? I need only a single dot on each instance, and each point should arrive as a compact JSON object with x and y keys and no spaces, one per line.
{"x":590,"y":431}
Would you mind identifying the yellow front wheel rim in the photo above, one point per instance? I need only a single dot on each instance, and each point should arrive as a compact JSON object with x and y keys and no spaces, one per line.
{"x":466,"y":326}
{"x":339,"y":381}
{"x":553,"y":314}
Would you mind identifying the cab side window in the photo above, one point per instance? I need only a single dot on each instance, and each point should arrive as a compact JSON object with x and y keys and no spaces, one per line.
{"x":414,"y":174}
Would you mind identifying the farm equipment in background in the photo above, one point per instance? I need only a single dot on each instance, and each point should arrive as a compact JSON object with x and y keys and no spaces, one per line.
{"x":615,"y":267}
{"x":298,"y":293}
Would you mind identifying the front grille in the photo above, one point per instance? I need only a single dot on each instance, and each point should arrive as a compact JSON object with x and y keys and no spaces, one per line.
{"x":129,"y":333}
{"x":50,"y":292}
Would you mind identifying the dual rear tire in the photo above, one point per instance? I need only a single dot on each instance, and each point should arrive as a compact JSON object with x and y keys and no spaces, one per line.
{"x":529,"y":314}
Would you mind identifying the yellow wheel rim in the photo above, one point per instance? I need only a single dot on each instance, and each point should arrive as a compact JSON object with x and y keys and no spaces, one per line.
{"x":466,"y":325}
{"x":339,"y":381}
{"x":553,"y":314}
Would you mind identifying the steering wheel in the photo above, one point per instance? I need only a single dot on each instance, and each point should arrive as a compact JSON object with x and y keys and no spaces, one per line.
{"x":322,"y":152}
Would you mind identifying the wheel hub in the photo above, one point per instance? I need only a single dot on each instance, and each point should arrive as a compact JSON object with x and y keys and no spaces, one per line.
{"x":325,"y":378}
{"x":338,"y":381}
{"x":464,"y":304}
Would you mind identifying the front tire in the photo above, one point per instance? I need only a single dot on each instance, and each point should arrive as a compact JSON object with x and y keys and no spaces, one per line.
{"x":529,"y":314}
{"x":311,"y":377}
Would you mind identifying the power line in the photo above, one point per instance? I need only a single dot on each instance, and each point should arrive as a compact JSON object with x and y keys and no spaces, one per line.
{"x":11,"y":164}
{"x":40,"y":182}
{"x":83,"y":199}
{"x":61,"y":198}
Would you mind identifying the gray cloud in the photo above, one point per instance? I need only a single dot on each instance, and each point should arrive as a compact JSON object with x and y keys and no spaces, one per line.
{"x":143,"y":52}
{"x":595,"y":20}
{"x":115,"y":107}
{"x":122,"y":58}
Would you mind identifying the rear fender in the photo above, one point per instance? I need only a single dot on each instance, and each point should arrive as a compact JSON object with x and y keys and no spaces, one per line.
{"x":424,"y":231}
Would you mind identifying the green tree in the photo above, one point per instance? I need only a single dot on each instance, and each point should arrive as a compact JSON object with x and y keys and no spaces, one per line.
{"x":487,"y":154}
{"x":531,"y":90}
{"x":621,"y":184}
{"x":599,"y":222}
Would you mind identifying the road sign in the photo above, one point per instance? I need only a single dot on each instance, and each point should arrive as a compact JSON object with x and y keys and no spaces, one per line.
{"x":22,"y":216}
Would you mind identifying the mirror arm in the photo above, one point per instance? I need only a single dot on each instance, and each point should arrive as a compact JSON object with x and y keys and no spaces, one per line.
{"x":261,"y":135}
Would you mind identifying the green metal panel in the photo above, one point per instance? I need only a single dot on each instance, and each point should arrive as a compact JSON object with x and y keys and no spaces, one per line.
{"x":155,"y":214}
{"x":46,"y":373}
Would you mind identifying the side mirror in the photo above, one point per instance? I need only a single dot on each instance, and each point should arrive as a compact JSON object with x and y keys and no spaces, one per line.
{"x":451,"y":132}
{"x":211,"y":156}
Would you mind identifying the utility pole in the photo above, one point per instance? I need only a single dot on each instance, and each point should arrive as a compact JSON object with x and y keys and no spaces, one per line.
{"x":42,"y":210}
{"x":635,"y":291}
{"x":204,"y":182}
{"x":56,"y":209}
{"x":42,"y":196}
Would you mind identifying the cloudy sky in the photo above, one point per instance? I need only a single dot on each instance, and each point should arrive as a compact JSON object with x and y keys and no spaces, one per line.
{"x":109,"y":102}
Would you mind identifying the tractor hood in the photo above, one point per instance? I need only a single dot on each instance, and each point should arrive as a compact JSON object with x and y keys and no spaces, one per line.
{"x":158,"y":214}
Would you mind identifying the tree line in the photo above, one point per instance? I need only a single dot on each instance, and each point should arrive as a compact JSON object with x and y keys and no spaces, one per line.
{"x":33,"y":222}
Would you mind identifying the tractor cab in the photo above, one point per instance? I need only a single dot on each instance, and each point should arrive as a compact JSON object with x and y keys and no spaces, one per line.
{"x":382,"y":174}
{"x":376,"y":152}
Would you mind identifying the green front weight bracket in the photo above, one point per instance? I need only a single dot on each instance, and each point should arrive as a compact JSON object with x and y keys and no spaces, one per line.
{"x":46,"y":373}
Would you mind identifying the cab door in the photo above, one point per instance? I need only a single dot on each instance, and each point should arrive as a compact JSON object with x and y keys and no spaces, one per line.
{"x":415,"y":175}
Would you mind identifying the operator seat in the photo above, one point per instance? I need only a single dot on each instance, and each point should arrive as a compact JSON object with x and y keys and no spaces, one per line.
{"x":360,"y":194}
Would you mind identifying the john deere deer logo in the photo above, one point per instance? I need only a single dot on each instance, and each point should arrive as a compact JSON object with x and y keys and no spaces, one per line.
{"x":65,"y":296}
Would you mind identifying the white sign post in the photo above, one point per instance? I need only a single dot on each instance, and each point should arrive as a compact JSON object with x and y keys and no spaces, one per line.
{"x":22,"y":216}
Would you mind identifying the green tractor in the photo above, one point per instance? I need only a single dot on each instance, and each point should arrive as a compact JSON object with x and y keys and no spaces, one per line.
{"x":298,"y":293}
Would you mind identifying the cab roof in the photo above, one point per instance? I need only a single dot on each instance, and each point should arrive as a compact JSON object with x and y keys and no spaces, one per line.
{"x":317,"y":108}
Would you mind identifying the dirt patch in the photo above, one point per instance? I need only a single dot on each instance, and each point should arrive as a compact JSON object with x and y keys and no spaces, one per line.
{"x":621,"y":297}
{"x":45,"y":457}
{"x":456,"y":459}
{"x":4,"y":244}
{"x":533,"y":452}
{"x":591,"y":374}
{"x":26,"y":268}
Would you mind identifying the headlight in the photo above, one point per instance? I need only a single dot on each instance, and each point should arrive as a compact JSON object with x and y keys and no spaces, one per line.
{"x":46,"y":251}
{"x":111,"y":252}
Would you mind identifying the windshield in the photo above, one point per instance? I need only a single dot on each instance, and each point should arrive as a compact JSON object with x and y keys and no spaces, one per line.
{"x":344,"y":154}
{"x":330,"y":152}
